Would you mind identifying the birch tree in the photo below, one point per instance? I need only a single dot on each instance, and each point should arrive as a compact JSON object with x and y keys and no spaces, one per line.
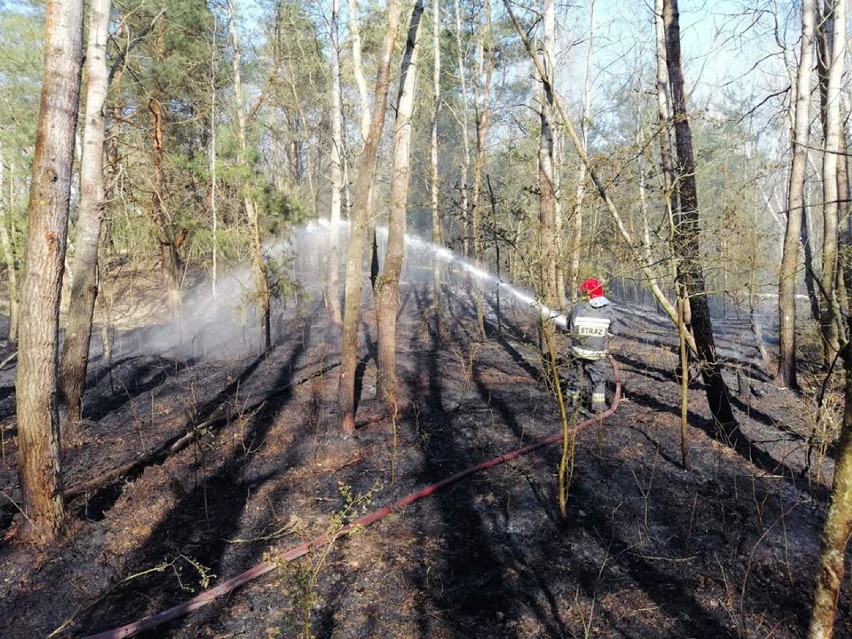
{"x":39,"y":463}
{"x":387,"y":298}
{"x":84,"y":268}
{"x":212,"y":157}
{"x":795,"y":203}
{"x":832,"y":54}
{"x":358,"y":72}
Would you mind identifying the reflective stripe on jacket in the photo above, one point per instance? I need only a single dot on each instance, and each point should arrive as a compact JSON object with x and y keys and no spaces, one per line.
{"x":590,"y":325}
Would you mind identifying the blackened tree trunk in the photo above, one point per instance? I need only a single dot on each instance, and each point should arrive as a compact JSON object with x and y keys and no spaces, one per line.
{"x":686,"y":233}
{"x":809,"y":263}
{"x":38,"y":360}
{"x":84,"y":268}
{"x":355,"y":249}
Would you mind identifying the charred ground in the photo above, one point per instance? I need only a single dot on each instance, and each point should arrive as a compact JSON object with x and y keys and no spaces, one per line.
{"x":194,"y":468}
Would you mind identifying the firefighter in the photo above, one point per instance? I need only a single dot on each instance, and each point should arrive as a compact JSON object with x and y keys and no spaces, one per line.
{"x":591,"y":323}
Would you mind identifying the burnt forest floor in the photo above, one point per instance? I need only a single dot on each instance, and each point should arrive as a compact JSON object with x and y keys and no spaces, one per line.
{"x":191,"y":469}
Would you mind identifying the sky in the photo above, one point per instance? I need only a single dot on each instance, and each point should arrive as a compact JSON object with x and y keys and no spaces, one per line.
{"x":726,"y":44}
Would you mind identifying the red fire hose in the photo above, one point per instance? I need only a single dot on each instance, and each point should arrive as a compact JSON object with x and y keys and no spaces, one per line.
{"x":233,"y":583}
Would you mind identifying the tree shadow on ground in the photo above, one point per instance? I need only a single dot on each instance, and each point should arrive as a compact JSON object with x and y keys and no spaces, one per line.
{"x":742,"y":444}
{"x":144,"y":375}
{"x":203,"y":518}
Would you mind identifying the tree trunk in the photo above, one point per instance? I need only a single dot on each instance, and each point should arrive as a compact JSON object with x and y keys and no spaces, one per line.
{"x":212,"y":156}
{"x":358,"y":72}
{"x":687,"y":230}
{"x":832,"y":44}
{"x":809,"y":264}
{"x":669,"y":194}
{"x":482,"y":108}
{"x":546,"y":181}
{"x":355,"y":249}
{"x":576,"y":221}
{"x":838,"y":523}
{"x":84,"y":269}
{"x":465,"y":163}
{"x":261,"y":275}
{"x":387,"y":299}
{"x":365,"y":119}
{"x":755,"y":322}
{"x":437,"y":233}
{"x":9,"y":253}
{"x":795,"y":205}
{"x":164,"y":228}
{"x":50,"y":192}
{"x":169,"y":259}
{"x":332,"y":293}
{"x":664,"y":119}
{"x":844,"y":236}
{"x":837,"y":528}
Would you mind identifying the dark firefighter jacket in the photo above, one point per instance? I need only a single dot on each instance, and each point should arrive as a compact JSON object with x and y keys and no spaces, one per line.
{"x":591,"y":323}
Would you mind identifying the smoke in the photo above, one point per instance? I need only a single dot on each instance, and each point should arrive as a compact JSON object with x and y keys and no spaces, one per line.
{"x":224,"y":323}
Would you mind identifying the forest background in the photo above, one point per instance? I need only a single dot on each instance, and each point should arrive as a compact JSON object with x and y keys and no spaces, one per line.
{"x":694,"y":157}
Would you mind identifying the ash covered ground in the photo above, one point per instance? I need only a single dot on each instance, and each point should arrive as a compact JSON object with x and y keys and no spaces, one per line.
{"x":200,"y":461}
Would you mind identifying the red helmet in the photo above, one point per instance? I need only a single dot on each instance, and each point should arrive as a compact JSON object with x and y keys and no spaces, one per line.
{"x":592,"y":287}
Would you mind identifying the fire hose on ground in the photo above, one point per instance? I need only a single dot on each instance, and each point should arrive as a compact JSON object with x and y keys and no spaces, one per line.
{"x":262,"y":568}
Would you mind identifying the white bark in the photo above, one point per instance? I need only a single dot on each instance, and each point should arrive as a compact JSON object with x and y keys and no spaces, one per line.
{"x":84,"y":268}
{"x":833,"y":147}
{"x":795,"y":202}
